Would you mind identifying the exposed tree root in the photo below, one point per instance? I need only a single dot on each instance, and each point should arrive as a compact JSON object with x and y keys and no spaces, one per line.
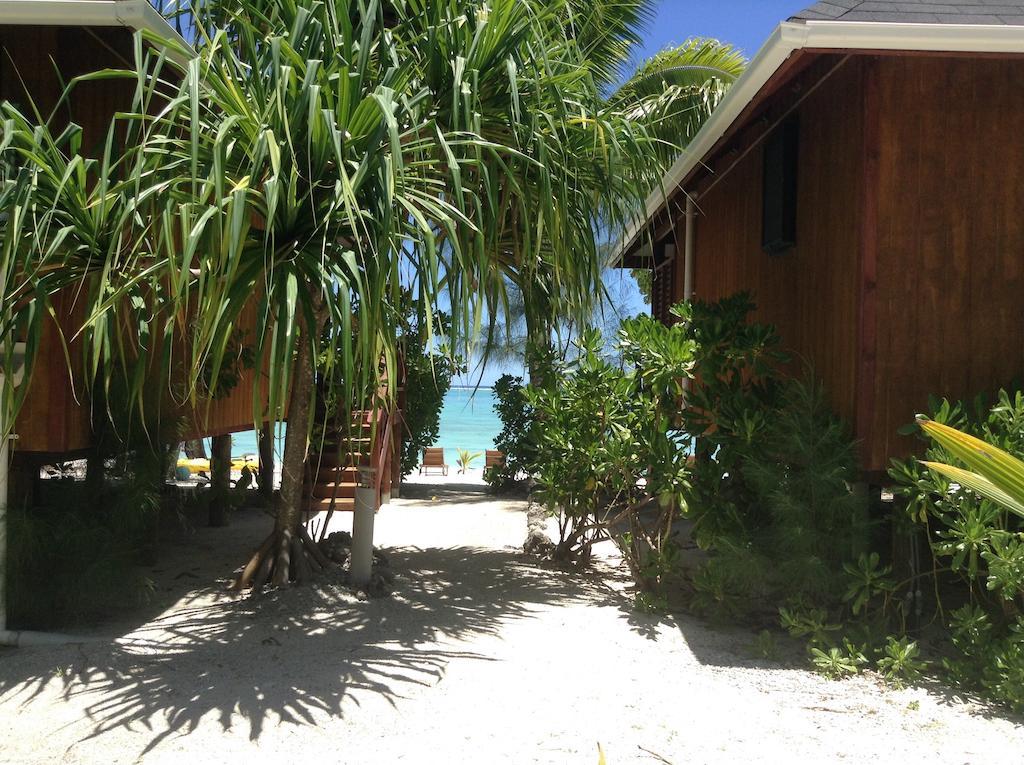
{"x":285,"y":556}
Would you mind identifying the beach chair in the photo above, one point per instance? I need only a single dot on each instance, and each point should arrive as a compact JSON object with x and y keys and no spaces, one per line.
{"x":494,"y":458}
{"x":433,"y":457}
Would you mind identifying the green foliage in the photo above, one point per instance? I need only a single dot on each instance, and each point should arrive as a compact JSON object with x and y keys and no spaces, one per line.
{"x":727,"y":411}
{"x":429,"y":368}
{"x":866,"y":582}
{"x":75,"y":558}
{"x":772,"y":497}
{"x":466,"y":459}
{"x":238,"y":359}
{"x":837,"y":662}
{"x":808,"y":623}
{"x":359,"y":158}
{"x":516,"y":439}
{"x":901,"y":660}
{"x":976,"y":532}
{"x":610,"y":462}
{"x":643,"y":282}
{"x":765,"y":646}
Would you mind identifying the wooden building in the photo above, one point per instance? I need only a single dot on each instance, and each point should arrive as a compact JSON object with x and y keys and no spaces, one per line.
{"x":43,"y":45}
{"x":864,"y":180}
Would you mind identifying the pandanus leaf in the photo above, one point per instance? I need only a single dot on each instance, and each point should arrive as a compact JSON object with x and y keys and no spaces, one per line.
{"x":991,"y":472}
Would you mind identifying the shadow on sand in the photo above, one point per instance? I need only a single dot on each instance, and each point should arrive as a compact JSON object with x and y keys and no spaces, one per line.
{"x":461,"y":493}
{"x":290,"y":655}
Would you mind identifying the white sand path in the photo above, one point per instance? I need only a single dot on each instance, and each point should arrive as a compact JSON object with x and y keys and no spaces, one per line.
{"x":482,"y":656}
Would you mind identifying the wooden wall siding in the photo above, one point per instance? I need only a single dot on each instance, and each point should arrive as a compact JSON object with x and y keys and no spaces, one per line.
{"x":53,"y":419}
{"x":951,"y":235}
{"x":809,"y":292}
{"x":234,"y":412}
{"x":30,"y":58}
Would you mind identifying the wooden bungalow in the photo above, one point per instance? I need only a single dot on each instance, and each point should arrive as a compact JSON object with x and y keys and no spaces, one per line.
{"x":864,"y":180}
{"x":43,"y":45}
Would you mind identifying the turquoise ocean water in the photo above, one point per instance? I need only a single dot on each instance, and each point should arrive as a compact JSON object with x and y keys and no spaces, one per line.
{"x":468,"y":422}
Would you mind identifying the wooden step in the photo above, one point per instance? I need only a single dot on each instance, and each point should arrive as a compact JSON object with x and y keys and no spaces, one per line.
{"x":343,"y":505}
{"x":326,"y":490}
{"x":334,"y":460}
{"x":332,"y":444}
{"x":334,"y":474}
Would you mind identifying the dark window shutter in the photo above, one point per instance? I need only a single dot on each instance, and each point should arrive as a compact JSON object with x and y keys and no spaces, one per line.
{"x":781,"y":153}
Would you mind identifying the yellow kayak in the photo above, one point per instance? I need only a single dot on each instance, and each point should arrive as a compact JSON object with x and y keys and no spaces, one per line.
{"x":200,"y":465}
{"x":197,"y":465}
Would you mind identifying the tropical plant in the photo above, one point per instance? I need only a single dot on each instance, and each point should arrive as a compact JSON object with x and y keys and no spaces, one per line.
{"x":428,"y":370}
{"x":737,"y":364}
{"x":836,"y":662}
{"x":650,"y":115}
{"x":516,"y":438}
{"x":991,"y":472}
{"x":466,"y":459}
{"x":771,"y":493}
{"x":610,"y":463}
{"x":305,"y":159}
{"x":901,"y":660}
{"x":966,"y":495}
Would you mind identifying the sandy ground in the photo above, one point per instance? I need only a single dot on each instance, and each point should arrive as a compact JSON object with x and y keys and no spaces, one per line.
{"x":483,"y":655}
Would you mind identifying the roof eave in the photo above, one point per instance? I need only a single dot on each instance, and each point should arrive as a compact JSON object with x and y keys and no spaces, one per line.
{"x":136,"y":15}
{"x":821,"y":36}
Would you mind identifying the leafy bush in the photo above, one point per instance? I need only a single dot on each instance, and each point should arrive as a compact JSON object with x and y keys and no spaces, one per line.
{"x":429,"y":368}
{"x":901,"y":660}
{"x":610,"y":461}
{"x":516,"y":439}
{"x":76,"y":559}
{"x":772,"y":497}
{"x":727,"y":411}
{"x":979,"y":539}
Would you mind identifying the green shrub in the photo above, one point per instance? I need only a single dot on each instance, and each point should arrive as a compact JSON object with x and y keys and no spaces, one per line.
{"x":76,"y":560}
{"x":429,"y":368}
{"x":610,"y":462}
{"x":982,"y":544}
{"x":901,"y":660}
{"x":771,"y":497}
{"x":516,"y":439}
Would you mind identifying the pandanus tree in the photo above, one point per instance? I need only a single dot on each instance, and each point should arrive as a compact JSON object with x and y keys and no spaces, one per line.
{"x":310,"y":158}
{"x":286,"y":164}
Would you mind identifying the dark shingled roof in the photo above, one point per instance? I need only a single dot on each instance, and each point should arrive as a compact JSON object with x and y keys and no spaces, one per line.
{"x":1005,"y":12}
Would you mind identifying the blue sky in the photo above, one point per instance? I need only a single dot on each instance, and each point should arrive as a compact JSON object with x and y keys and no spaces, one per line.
{"x":744,"y":23}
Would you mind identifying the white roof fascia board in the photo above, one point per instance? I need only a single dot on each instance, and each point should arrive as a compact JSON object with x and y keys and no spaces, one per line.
{"x":132,"y":14}
{"x":789,"y":37}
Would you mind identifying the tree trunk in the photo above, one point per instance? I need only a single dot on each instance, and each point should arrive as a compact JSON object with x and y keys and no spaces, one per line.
{"x":195,"y":449}
{"x":285,"y":555}
{"x":538,"y":335}
{"x":293,"y":464}
{"x":220,"y":479}
{"x":266,"y":475}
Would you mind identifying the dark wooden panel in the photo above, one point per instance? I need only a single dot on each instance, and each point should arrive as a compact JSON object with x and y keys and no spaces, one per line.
{"x":951,"y":235}
{"x":36,"y":63}
{"x":810,"y":292}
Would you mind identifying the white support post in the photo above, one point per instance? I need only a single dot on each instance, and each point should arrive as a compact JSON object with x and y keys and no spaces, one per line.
{"x":361,"y":563}
{"x":689,"y":242}
{"x":5,"y":462}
